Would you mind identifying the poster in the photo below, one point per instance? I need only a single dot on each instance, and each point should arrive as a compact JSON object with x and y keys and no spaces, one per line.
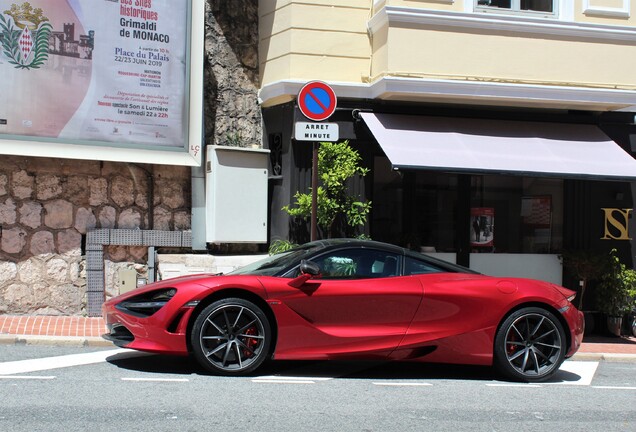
{"x":537,"y":211}
{"x":97,"y":71}
{"x":536,"y":214}
{"x":482,"y":226}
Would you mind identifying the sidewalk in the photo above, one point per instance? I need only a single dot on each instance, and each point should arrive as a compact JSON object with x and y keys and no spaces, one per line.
{"x":83,"y":331}
{"x":52,"y":330}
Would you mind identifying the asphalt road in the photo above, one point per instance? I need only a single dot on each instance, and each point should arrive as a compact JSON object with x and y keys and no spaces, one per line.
{"x":45,"y":388}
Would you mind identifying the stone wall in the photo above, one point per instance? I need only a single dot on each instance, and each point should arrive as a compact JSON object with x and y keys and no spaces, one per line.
{"x":48,"y":205}
{"x":232,"y":113}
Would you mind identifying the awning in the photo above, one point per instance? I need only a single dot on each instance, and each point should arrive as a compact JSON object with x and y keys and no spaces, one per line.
{"x":500,"y":147}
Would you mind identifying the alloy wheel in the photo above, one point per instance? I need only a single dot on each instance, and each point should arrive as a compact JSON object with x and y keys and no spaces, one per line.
{"x":232,"y":338}
{"x":533,"y":345}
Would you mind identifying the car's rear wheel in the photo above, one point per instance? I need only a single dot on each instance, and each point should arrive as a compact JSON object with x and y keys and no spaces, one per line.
{"x":231,"y":337}
{"x":530,"y":345}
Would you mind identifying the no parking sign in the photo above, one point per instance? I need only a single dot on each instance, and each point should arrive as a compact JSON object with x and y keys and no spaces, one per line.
{"x":317,"y":100}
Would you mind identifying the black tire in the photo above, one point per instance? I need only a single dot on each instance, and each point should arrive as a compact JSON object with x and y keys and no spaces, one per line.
{"x":231,"y":336}
{"x":530,"y":345}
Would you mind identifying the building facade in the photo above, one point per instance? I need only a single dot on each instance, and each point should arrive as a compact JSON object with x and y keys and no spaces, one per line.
{"x":498,"y":134}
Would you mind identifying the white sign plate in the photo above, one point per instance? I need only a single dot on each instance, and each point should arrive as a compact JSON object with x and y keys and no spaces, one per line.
{"x":309,"y":131}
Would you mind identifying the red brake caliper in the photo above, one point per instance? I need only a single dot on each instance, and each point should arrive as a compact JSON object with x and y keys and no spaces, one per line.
{"x":511,"y":348}
{"x":251,"y":343}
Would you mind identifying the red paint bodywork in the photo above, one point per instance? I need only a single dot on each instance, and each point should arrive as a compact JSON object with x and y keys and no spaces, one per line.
{"x":439,"y":317}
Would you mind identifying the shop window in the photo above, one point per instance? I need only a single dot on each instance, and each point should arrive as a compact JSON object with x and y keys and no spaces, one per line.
{"x":415,"y":209}
{"x":541,"y":7}
{"x":434,"y":212}
{"x":516,"y":214}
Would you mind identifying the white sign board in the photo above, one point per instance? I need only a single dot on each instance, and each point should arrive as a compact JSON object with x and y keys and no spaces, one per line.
{"x":111,"y":73}
{"x":308,"y":131}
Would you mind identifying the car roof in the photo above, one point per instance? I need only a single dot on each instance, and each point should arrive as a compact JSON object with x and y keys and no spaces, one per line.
{"x":328,"y":244}
{"x":339,"y":242}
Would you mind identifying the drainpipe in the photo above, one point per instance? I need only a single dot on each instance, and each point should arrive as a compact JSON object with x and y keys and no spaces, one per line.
{"x":152,"y":264}
{"x":198,"y":206}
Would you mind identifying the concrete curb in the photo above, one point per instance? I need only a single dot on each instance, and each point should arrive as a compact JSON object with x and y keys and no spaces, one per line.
{"x":613,"y":357}
{"x":66,"y":341}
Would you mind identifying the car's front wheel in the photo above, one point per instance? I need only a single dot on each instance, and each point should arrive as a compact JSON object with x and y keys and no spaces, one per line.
{"x":231,"y":336}
{"x":530,"y":345}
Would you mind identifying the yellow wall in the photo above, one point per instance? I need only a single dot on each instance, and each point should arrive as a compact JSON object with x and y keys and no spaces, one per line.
{"x":447,"y":5}
{"x":325,"y":40}
{"x":503,"y":57}
{"x":330,"y":40}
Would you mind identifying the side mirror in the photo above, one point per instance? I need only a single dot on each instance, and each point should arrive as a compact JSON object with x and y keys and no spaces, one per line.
{"x":309,"y":267}
{"x":308,"y":270}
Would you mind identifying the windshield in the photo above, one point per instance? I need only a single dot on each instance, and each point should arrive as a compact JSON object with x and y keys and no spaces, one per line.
{"x":272,"y":265}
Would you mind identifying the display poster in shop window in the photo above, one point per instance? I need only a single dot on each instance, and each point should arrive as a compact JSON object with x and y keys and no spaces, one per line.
{"x":482,"y":227}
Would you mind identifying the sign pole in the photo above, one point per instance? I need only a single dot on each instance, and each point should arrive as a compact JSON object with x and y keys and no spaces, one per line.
{"x":317,"y":101}
{"x":314,"y":193}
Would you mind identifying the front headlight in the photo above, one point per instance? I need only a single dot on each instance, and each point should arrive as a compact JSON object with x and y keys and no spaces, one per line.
{"x":147,"y":304}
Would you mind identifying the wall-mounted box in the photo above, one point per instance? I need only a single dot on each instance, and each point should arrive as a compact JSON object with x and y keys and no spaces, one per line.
{"x":236,"y":194}
{"x":127,"y":280}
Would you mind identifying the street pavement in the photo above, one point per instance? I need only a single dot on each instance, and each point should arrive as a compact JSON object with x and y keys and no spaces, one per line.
{"x":87,"y":331}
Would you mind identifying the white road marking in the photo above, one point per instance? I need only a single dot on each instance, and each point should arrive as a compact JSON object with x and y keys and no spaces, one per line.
{"x":571,"y":373}
{"x":614,"y":388}
{"x":569,"y":370}
{"x":48,"y":363}
{"x":293,"y":378}
{"x":514,"y":385}
{"x":285,"y":381}
{"x":403,"y":384}
{"x":156,"y":379}
{"x":275,"y":379}
{"x":18,"y":377}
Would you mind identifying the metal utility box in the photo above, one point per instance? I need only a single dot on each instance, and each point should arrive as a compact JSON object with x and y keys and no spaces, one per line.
{"x":127,"y":280}
{"x":236,"y":195}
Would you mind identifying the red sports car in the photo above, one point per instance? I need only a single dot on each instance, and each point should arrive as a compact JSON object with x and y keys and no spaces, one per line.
{"x":352,"y":299}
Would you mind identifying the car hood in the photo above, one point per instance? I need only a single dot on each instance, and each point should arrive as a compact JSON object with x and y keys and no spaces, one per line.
{"x":197,"y":279}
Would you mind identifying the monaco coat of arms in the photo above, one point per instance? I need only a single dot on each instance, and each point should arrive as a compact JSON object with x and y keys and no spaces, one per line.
{"x":24,"y":36}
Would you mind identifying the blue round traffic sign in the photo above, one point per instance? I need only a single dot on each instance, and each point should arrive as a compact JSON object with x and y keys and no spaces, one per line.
{"x":317,"y":100}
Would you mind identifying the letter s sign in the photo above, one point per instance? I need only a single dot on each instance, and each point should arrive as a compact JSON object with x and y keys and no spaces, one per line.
{"x":616,"y":224}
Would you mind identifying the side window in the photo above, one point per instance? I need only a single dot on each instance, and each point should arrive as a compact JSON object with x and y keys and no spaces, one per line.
{"x":414,"y":266}
{"x":358,"y":264}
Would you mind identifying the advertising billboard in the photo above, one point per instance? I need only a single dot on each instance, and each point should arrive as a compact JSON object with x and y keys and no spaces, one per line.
{"x":102,"y":79}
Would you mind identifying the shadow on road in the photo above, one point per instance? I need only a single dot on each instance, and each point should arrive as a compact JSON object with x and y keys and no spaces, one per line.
{"x":163,"y":364}
{"x":154,"y":363}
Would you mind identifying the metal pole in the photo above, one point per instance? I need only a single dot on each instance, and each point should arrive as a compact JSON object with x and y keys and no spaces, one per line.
{"x":314,"y":193}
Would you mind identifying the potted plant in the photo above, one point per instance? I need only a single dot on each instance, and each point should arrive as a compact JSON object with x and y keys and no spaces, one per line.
{"x":584,"y":265}
{"x":616,"y":292}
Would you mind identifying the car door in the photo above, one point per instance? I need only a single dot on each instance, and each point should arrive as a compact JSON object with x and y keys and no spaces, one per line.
{"x":360,"y":304}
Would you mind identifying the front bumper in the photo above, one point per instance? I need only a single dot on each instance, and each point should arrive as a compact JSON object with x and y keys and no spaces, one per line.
{"x":164,"y":332}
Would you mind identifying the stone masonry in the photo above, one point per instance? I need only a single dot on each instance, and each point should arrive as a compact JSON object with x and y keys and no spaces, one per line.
{"x":48,"y":205}
{"x":232,"y":113}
